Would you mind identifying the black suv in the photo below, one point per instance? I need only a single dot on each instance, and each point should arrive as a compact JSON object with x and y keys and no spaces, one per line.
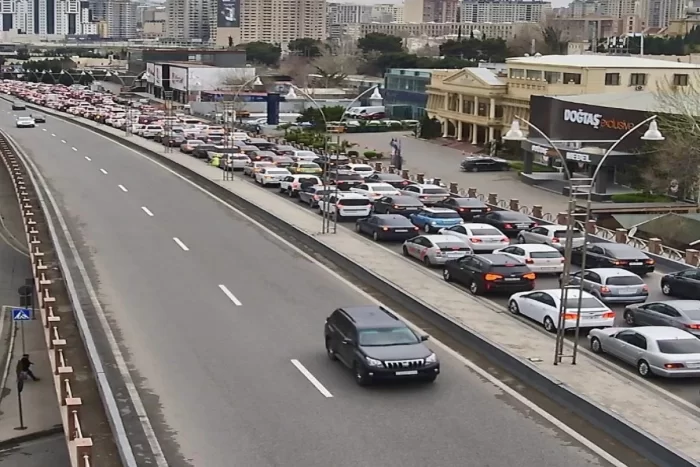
{"x":493,"y":272}
{"x":377,"y":345}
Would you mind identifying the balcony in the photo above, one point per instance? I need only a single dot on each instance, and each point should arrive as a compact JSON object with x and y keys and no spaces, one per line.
{"x":470,"y":118}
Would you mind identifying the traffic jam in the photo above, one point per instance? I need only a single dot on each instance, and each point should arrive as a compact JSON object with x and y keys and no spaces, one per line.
{"x":643,"y":318}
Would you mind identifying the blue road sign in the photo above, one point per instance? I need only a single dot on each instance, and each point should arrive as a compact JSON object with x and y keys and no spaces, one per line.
{"x":21,"y":314}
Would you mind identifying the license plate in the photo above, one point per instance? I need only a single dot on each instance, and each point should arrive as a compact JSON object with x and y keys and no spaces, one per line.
{"x":476,"y":210}
{"x":401,"y":230}
{"x":693,"y":365}
{"x":588,"y":317}
{"x":522,"y":226}
{"x":511,"y":279}
{"x":636,"y":263}
{"x":628,"y":291}
{"x":406,"y":373}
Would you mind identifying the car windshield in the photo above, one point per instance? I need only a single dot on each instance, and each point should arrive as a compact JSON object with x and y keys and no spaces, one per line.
{"x":386,"y":336}
{"x":444,"y":215}
{"x":309,"y":180}
{"x":562,"y":234}
{"x":692,"y":313}
{"x":396,"y":221}
{"x":545,"y":254}
{"x":383,"y":188}
{"x":586,"y":302}
{"x":513,"y":217}
{"x":348,"y":177}
{"x":434,"y":191}
{"x":480,"y":232}
{"x":354,"y":202}
{"x":624,"y":280}
{"x":277,"y":172}
{"x":679,"y":346}
{"x":309,"y":166}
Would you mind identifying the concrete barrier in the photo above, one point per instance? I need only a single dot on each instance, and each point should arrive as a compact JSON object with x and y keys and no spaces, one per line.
{"x":646,"y":445}
{"x":40,"y":254}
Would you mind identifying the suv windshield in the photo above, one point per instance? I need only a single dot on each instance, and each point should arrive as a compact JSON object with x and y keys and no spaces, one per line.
{"x":679,"y":346}
{"x":586,"y":302}
{"x":480,"y":232}
{"x":353,"y":202}
{"x":545,"y":254}
{"x":444,"y":215}
{"x":434,"y":191}
{"x":386,"y":336}
{"x":562,"y":234}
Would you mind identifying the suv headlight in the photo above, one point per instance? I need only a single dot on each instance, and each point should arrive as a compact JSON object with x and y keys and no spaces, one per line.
{"x":432,"y":358}
{"x":373,"y":362}
{"x":433,"y":222}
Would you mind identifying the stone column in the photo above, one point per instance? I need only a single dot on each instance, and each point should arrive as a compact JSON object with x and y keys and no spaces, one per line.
{"x":492,"y":108}
{"x":476,"y":105}
{"x":459,"y":130}
{"x":445,"y":128}
{"x":491,"y":129}
{"x":475,"y":133}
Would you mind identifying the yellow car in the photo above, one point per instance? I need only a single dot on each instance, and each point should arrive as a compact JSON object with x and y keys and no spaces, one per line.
{"x":310,"y":168}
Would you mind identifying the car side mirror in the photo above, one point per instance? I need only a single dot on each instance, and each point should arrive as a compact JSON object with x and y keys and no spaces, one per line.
{"x":424,"y":337}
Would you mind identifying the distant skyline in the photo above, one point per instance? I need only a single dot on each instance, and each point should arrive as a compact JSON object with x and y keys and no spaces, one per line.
{"x":555,"y":3}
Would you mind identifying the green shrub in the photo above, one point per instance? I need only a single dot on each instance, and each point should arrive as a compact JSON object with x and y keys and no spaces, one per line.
{"x":370,"y":154}
{"x":641,"y":197}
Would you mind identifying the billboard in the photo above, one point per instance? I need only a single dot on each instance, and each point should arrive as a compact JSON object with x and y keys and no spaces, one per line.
{"x":229,"y":14}
{"x":212,"y":78}
{"x":151,"y":72}
{"x":158,"y":73}
{"x":178,"y":78}
{"x":562,"y":120}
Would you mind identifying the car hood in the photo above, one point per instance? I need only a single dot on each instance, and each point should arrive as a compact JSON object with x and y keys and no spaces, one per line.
{"x":607,"y":331}
{"x":397,"y":352}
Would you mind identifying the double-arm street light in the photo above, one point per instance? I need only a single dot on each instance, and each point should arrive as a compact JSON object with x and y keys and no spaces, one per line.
{"x":586,"y":187}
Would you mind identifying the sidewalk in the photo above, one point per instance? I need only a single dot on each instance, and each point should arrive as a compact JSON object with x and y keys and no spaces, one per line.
{"x":640,"y":405}
{"x":435,"y":160}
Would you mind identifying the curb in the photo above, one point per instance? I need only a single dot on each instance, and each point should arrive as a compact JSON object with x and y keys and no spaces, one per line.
{"x":17,"y":440}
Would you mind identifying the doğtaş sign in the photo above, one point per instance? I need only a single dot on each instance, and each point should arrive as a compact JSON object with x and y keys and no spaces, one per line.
{"x":585,"y":118}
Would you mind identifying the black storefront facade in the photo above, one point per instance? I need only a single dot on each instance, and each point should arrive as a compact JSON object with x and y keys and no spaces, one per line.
{"x":583,"y":133}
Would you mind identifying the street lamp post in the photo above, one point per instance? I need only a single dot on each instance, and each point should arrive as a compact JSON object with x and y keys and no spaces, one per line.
{"x":255,"y":81}
{"x":587,"y":186}
{"x":63,"y":73}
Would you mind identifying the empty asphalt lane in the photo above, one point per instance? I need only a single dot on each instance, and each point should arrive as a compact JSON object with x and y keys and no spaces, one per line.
{"x":222,"y":373}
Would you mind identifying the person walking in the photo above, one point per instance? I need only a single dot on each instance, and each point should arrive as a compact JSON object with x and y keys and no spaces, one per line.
{"x":24,"y":368}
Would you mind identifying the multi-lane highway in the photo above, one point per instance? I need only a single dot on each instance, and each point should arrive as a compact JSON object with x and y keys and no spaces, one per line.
{"x":222,"y":326}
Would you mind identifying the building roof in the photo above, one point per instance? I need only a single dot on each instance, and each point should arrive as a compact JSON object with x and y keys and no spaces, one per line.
{"x":643,"y":101}
{"x":599,"y":61}
{"x":676,"y":230}
{"x":487,"y":76}
{"x":184,"y":64}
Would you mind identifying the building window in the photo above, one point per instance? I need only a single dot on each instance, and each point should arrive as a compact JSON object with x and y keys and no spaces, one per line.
{"x":552,"y":77}
{"x":517,"y":73}
{"x":612,"y":79}
{"x":534,"y":74}
{"x":572,"y":78}
{"x":638,"y":79}
{"x":680,"y":80}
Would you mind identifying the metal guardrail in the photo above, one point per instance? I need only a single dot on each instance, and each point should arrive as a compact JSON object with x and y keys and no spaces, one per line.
{"x":80,"y":445}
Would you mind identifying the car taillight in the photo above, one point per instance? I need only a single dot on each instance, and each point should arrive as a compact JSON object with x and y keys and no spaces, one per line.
{"x":385,"y":228}
{"x":529,"y":261}
{"x":508,"y":226}
{"x":295,"y":185}
{"x":530,"y":276}
{"x":555,"y":240}
{"x":492,"y":277}
{"x":604,"y":290}
{"x":645,"y":288}
{"x":505,"y":240}
{"x":461,"y":209}
{"x":672,"y":366}
{"x":535,"y":224}
{"x":609,"y":315}
{"x":563,"y":260}
{"x":415,"y":228}
{"x":569,"y":316}
{"x":649,"y":261}
{"x":693,"y":326}
{"x":475,"y":240}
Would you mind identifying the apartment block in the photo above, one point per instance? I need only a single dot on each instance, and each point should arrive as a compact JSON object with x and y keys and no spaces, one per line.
{"x":191,"y":19}
{"x":503,"y":11}
{"x":405,"y":30}
{"x":282,"y":21}
{"x":431,"y":11}
{"x":588,"y":29}
{"x":47,"y":17}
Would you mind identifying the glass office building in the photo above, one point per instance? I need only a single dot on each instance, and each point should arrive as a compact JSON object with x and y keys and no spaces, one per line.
{"x":404,"y":92}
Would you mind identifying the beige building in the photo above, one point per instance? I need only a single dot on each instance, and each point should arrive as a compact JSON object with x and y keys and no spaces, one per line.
{"x":405,"y":30}
{"x":476,"y":105}
{"x":282,"y":21}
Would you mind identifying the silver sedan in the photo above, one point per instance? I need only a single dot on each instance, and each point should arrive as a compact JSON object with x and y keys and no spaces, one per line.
{"x":436,"y":249}
{"x":653,"y":350}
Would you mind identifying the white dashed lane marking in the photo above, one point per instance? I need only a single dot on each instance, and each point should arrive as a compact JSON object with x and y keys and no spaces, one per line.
{"x":147,"y":211}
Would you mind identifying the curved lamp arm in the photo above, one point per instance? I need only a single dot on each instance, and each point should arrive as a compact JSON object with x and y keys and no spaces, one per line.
{"x":243,"y":86}
{"x":561,"y":156}
{"x":313,"y":101}
{"x":347,"y":107}
{"x":615,"y":144}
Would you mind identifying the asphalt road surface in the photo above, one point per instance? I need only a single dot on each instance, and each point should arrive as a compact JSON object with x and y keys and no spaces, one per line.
{"x":49,"y":451}
{"x":211,"y":311}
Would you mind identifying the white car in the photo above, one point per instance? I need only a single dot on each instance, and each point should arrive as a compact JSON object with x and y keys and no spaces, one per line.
{"x":235,"y":161}
{"x":436,"y":249}
{"x":374,"y":191}
{"x":151,"y":131}
{"x":482,"y":238}
{"x":543,"y":306}
{"x":271,"y":176}
{"x":293,"y":183}
{"x":345,"y":204}
{"x":252,"y":167}
{"x":239,"y":136}
{"x":25,"y":122}
{"x":541,"y":259}
{"x":304,"y":156}
{"x":553,"y":235}
{"x":428,"y":194}
{"x":361,"y":169}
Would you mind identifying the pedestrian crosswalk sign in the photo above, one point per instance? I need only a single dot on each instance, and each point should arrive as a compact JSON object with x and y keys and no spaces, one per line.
{"x":21,"y":314}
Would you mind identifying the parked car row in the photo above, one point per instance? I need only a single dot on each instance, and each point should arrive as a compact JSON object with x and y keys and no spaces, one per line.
{"x":484,"y":251}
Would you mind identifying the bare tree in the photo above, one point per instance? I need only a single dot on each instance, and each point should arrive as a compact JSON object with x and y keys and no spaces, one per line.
{"x":428,"y":50}
{"x":528,"y":40}
{"x":333,"y":69}
{"x":298,"y":68}
{"x":675,"y":167}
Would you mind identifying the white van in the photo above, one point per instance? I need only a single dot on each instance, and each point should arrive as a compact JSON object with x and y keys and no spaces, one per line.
{"x":365,"y":112}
